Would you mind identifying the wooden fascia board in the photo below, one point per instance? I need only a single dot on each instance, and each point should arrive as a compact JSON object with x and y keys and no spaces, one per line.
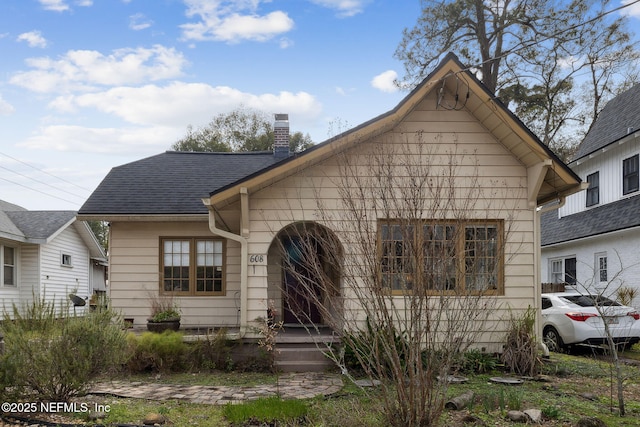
{"x":349,"y":139}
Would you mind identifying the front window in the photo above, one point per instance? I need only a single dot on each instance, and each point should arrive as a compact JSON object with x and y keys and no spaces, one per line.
{"x":192,"y":266}
{"x":9,"y":271}
{"x":563,"y":270}
{"x":630,"y":175}
{"x":437,"y":256}
{"x":593,"y":192}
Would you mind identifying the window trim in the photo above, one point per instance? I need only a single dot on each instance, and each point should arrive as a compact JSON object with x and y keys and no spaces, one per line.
{"x":629,"y":175}
{"x":563,"y":272}
{"x":14,"y":266}
{"x":598,"y":267}
{"x":593,"y":191}
{"x":459,"y":246}
{"x":192,"y":266}
{"x":64,"y":256}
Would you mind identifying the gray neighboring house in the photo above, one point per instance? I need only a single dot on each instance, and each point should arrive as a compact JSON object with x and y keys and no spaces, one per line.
{"x":593,"y":241}
{"x":47,"y":254}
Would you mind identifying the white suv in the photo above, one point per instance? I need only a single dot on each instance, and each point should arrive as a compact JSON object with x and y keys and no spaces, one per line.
{"x":570,"y":318}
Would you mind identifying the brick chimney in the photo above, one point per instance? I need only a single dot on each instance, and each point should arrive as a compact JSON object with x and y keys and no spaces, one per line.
{"x":281,"y":136}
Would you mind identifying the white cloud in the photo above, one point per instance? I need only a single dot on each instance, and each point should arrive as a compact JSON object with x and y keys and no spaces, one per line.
{"x":385,"y":81}
{"x":233,"y":21}
{"x":139,"y":22}
{"x":82,"y":70}
{"x":33,"y":39}
{"x":345,"y":8}
{"x":156,"y":117}
{"x":179,"y":104}
{"x":62,"y":5}
{"x":5,"y":107}
{"x":123,"y":141}
{"x":633,"y":10}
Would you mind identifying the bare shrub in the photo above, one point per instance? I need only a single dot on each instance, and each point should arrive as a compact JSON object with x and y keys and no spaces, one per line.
{"x":406,"y":261}
{"x":520,"y":352}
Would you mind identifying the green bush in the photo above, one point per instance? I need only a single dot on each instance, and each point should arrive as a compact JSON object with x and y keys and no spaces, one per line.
{"x":51,"y":357}
{"x":212,"y":352}
{"x":163,"y":352}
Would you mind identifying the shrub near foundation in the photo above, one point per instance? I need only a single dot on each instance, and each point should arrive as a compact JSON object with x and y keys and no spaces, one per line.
{"x":165,"y":352}
{"x":49,"y":357}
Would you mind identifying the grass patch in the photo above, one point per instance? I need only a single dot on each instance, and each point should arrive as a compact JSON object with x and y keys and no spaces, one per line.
{"x":266,"y":410}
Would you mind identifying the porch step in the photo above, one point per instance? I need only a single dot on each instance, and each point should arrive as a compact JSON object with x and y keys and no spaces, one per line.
{"x":301,"y":357}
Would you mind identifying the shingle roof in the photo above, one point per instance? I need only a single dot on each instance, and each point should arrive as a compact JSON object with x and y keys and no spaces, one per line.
{"x":20,"y":224}
{"x":609,"y":217}
{"x":40,"y":225}
{"x":172,"y":182}
{"x":620,"y":114}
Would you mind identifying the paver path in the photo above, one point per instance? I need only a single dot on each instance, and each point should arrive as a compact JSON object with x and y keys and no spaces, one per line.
{"x":290,"y":386}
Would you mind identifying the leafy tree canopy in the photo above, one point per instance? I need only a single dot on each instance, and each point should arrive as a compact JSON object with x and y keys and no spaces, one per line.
{"x":238,"y":131}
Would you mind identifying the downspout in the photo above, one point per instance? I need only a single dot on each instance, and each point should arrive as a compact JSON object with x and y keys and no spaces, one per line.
{"x":244,"y":250}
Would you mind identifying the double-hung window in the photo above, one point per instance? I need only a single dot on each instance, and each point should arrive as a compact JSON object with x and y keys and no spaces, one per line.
{"x":192,"y":266}
{"x":601,"y":267}
{"x":8,"y":258}
{"x":593,"y":192}
{"x":440,"y":256}
{"x":630,"y":175}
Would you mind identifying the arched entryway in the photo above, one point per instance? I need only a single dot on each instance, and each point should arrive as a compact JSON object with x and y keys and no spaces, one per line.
{"x":305,"y":264}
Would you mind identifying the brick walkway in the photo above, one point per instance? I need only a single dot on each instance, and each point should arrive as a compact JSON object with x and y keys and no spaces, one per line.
{"x":290,"y":386}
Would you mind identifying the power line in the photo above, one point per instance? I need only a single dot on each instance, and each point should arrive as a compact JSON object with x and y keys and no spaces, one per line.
{"x":38,"y":191}
{"x":42,"y":182}
{"x":544,"y":39}
{"x":47,"y":173}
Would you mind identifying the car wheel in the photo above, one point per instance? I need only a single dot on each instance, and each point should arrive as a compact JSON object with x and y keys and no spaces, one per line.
{"x":553,"y":340}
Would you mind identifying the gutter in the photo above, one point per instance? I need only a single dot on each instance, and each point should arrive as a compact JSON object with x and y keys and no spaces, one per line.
{"x":244,"y":250}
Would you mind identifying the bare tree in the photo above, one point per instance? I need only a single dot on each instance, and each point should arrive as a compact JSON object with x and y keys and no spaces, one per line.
{"x":406,"y":260}
{"x":598,"y":289}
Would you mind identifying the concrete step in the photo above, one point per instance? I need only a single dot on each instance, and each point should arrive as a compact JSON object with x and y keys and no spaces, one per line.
{"x":303,"y":357}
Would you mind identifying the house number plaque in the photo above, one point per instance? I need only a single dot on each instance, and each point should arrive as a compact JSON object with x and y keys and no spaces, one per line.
{"x":257,"y":259}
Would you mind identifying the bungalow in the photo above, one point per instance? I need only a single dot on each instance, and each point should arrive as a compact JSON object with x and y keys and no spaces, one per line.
{"x":47,"y":255}
{"x":217,"y":231}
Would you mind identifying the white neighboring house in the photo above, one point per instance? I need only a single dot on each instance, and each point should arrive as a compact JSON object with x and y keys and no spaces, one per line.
{"x":593,"y":241}
{"x":48,"y":254}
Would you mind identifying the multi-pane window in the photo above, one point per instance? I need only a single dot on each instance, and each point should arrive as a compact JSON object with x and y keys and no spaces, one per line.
{"x":563,"y":270}
{"x":192,"y":266}
{"x":436,"y":256}
{"x":601,"y":267}
{"x":9,"y":270}
{"x":630,"y":175}
{"x":593,"y":192}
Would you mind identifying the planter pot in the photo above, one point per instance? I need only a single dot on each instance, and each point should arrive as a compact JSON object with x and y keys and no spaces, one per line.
{"x":167,"y":325}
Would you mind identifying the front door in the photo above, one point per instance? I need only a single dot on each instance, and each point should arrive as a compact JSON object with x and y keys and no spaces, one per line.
{"x":301,"y":290}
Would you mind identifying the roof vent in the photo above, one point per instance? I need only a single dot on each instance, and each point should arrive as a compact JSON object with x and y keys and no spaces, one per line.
{"x":629,"y":130}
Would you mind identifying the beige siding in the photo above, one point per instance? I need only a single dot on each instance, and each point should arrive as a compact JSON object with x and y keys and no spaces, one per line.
{"x":504,"y":196}
{"x":134,"y":274}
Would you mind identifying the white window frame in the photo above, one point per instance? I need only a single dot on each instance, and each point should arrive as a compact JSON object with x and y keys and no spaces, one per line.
{"x":560,"y":276}
{"x":4,"y":265}
{"x":601,"y":267}
{"x":66,"y":256}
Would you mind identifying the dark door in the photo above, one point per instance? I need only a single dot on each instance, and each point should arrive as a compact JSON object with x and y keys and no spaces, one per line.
{"x":301,"y":288}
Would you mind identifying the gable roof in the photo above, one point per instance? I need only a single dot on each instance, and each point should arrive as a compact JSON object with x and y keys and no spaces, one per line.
{"x":174,"y":183}
{"x":40,"y":227}
{"x":171,"y":183}
{"x":614,"y":121}
{"x":559,"y":180}
{"x":616,"y":216}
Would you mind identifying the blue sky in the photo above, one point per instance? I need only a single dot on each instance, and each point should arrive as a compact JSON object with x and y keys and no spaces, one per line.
{"x":86,"y":85}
